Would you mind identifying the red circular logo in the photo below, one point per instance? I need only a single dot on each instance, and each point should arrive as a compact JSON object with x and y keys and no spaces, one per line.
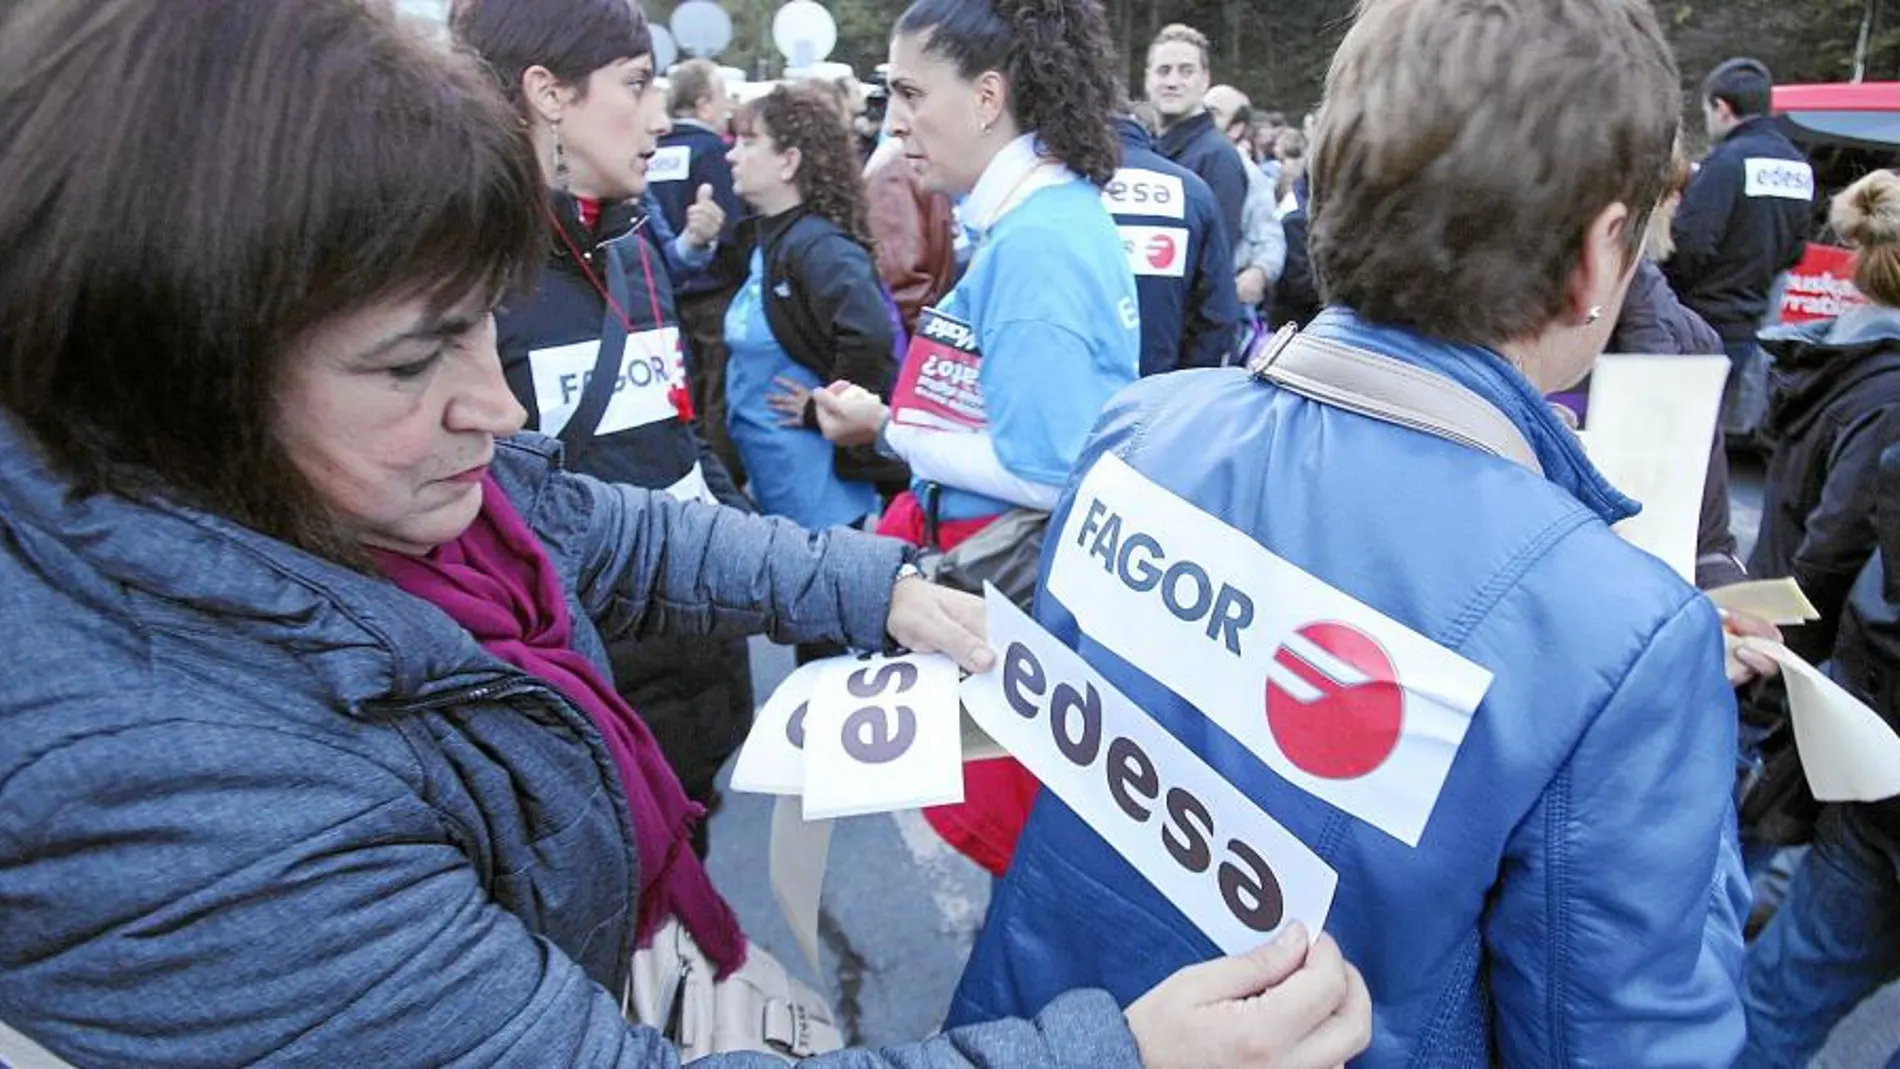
{"x":1160,"y":250}
{"x":1333,"y":702}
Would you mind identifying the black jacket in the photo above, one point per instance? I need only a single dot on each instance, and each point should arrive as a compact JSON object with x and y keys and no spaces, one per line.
{"x":1743,"y":220}
{"x":689,"y":156}
{"x":695,"y":694}
{"x":1867,"y":652}
{"x":1833,"y":409}
{"x":826,"y":307}
{"x":1184,"y":273}
{"x":1296,"y":296}
{"x":1654,"y":321}
{"x":1195,"y":144}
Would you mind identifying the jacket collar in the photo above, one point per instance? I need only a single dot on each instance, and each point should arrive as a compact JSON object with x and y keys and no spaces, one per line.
{"x":1135,"y":137}
{"x":1486,"y":373}
{"x":1175,"y":139}
{"x":685,"y":124}
{"x":1017,"y":170}
{"x":1754,"y":124}
{"x":1817,"y":362}
{"x":365,"y":641}
{"x":617,"y":219}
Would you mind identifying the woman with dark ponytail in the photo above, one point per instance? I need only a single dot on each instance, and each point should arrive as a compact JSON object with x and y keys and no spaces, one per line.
{"x":1008,"y":104}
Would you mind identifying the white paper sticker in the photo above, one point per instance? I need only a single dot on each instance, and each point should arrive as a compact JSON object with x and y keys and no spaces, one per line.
{"x":1847,"y":751}
{"x":1342,"y":701}
{"x":1787,"y":179}
{"x":1155,"y":251}
{"x":883,"y":733}
{"x":1223,"y":862}
{"x":1141,"y":192}
{"x":772,"y":761}
{"x":796,"y":864}
{"x":1651,"y":421}
{"x":670,"y":164}
{"x":649,"y":368}
{"x":693,"y":487}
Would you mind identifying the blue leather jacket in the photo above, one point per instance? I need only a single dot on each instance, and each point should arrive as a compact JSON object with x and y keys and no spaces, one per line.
{"x":1576,"y":897}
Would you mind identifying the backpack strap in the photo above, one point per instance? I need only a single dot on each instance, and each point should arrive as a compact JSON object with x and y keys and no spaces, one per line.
{"x":1389,"y":390}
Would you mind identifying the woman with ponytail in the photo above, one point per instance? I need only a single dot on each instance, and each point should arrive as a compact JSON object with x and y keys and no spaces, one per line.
{"x":1834,"y":405}
{"x":1008,"y":105}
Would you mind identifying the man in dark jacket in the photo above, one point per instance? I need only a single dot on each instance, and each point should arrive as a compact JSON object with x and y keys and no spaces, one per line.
{"x":1177,"y":84}
{"x":690,"y":166}
{"x":1296,"y":296}
{"x":1184,"y":279}
{"x":1743,"y":220}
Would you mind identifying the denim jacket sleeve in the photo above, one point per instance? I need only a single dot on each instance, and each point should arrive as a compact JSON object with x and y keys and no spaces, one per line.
{"x":262,"y":897}
{"x":1616,"y":938}
{"x":652,"y":565}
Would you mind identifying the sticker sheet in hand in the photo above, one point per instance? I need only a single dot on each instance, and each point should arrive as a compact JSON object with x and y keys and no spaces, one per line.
{"x":855,"y":736}
{"x":938,"y":388}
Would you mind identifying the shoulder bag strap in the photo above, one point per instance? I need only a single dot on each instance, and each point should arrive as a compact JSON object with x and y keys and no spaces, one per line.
{"x":580,"y":428}
{"x":1370,"y":384}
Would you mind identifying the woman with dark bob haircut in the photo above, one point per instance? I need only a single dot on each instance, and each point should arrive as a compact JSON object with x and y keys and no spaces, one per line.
{"x":314,"y":760}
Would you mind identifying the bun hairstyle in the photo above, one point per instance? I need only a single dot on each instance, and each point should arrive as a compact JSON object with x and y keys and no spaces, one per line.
{"x":1867,"y":215}
{"x":1057,"y":57}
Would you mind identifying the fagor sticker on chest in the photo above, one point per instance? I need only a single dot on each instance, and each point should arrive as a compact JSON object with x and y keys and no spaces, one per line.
{"x":1340,"y":700}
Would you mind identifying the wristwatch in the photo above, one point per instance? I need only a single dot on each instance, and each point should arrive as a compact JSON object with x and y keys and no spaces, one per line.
{"x":905,"y":572}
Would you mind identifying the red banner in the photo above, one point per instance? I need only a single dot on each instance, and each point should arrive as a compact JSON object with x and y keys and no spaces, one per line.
{"x":1821,"y":286}
{"x":938,"y":387}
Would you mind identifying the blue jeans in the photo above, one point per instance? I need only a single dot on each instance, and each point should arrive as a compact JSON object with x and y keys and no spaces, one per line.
{"x":1745,"y":396}
{"x":1834,"y":942}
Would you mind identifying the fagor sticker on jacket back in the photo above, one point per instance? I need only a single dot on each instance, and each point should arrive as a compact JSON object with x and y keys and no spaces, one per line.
{"x":1340,"y":700}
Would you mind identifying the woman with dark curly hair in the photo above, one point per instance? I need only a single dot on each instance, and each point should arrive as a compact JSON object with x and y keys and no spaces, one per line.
{"x":811,"y":311}
{"x":1007,"y":103}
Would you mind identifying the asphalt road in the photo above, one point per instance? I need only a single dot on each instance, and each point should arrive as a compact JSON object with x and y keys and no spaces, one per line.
{"x":901,"y":910}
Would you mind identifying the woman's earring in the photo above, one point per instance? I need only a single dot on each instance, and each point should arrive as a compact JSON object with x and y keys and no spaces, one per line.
{"x":560,"y":159}
{"x":1596,"y":313}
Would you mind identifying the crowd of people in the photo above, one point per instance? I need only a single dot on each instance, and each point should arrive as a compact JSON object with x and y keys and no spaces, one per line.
{"x":399,"y":442}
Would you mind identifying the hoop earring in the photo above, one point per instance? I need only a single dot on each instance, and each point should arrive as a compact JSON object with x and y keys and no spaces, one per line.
{"x":560,"y":159}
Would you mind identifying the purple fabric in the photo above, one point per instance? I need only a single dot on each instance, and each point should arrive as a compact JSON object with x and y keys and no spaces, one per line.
{"x":497,"y":582}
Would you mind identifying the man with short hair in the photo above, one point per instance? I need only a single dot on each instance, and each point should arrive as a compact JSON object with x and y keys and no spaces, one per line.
{"x":1177,"y":84}
{"x":690,"y":168}
{"x":1743,"y":221}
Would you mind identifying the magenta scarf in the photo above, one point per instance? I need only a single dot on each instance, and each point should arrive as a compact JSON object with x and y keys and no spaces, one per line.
{"x":498,"y":583}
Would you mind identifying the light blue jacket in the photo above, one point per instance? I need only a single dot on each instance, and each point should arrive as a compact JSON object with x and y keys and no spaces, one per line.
{"x":1576,"y":898}
{"x":256,"y":808}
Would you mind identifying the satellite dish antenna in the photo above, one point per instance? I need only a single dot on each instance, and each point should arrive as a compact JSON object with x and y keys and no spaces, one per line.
{"x":666,"y":51}
{"x":701,"y":27}
{"x":804,"y":33}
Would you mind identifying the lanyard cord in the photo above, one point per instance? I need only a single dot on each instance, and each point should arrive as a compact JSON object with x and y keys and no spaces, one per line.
{"x":646,"y":268}
{"x":680,"y":398}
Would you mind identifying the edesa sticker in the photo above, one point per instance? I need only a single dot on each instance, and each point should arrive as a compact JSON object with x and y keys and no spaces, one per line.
{"x":1340,"y":700}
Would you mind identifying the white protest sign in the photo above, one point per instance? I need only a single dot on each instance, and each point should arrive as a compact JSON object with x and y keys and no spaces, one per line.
{"x":1847,"y":751}
{"x":883,"y":733}
{"x":1651,"y":421}
{"x":1342,"y":701}
{"x":772,"y":761}
{"x":1225,"y":864}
